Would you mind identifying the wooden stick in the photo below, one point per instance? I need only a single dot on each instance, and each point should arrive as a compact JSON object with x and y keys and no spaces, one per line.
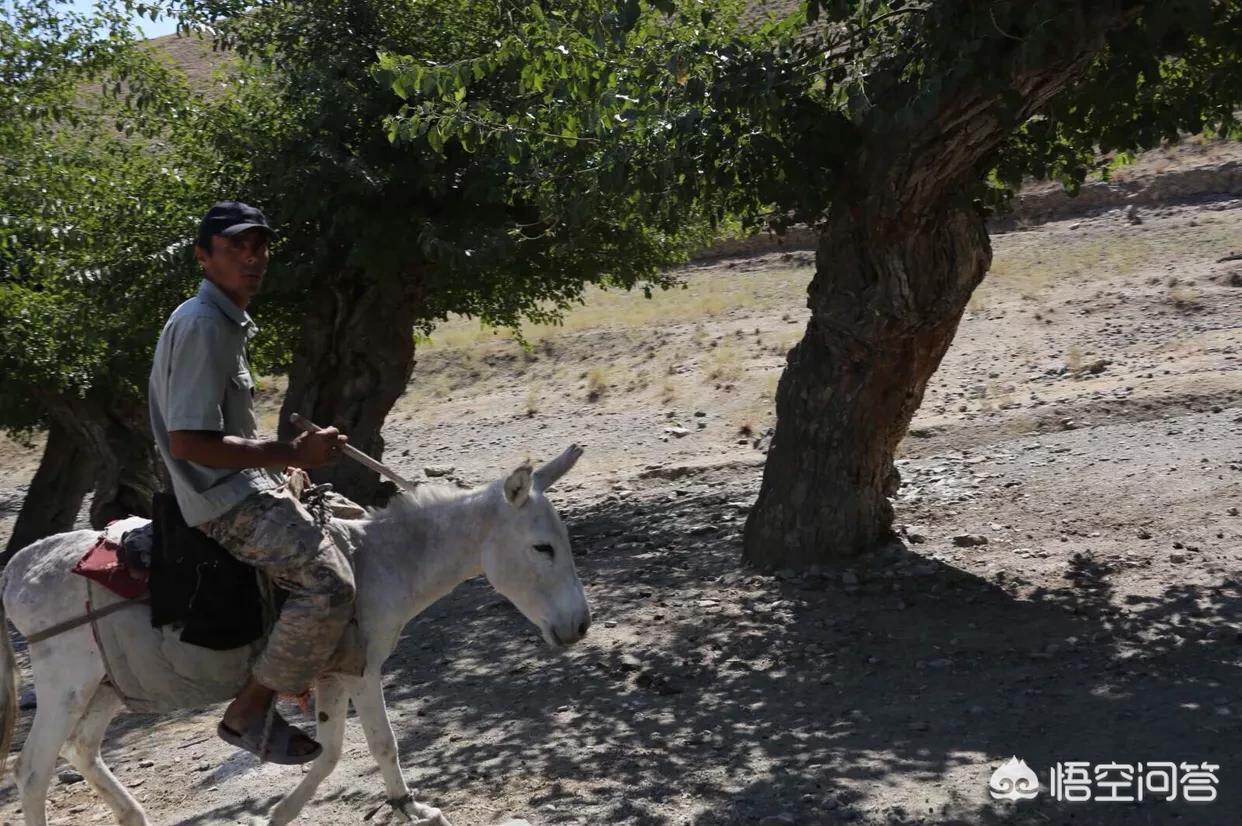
{"x":356,"y":454}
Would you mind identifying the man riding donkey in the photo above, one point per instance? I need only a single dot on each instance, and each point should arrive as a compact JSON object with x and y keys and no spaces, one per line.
{"x":229,"y":485}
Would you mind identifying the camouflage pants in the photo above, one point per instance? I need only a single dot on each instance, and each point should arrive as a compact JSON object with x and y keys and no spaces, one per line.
{"x":273,"y":532}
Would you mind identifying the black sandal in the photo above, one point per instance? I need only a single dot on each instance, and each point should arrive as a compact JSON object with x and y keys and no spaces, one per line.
{"x":275,"y":747}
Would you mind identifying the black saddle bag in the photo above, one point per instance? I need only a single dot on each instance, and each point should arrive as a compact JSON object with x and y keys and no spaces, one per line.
{"x":199,"y":585}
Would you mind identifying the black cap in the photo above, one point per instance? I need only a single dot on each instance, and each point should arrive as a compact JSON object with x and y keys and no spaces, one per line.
{"x":230,"y":218}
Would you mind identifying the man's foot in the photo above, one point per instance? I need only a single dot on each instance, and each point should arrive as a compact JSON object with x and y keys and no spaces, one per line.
{"x":284,"y":744}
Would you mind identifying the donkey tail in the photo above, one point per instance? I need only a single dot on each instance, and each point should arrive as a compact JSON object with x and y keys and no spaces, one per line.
{"x":9,"y":676}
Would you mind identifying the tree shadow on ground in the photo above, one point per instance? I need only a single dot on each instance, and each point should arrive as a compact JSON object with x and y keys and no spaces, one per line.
{"x":740,"y":696}
{"x":724,"y":696}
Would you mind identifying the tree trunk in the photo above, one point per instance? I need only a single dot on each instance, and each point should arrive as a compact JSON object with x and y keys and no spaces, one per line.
{"x":65,"y":474}
{"x":885,"y":302}
{"x":354,"y":361}
{"x":897,"y":261}
{"x":129,"y":469}
{"x":104,"y":444}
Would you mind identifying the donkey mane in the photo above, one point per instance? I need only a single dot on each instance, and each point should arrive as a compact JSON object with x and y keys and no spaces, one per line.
{"x":407,"y":506}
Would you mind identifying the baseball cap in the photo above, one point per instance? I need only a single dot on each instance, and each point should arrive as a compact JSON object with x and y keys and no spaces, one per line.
{"x":230,"y":218}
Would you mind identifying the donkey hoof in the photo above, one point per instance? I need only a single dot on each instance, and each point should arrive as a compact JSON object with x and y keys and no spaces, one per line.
{"x":433,"y":818}
{"x":420,"y":815}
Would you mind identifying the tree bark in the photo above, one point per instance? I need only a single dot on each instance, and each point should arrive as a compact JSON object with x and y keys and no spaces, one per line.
{"x":355,"y":359}
{"x":897,"y":261}
{"x":884,"y":310}
{"x":65,"y":475}
{"x":129,"y":469}
{"x":104,"y":444}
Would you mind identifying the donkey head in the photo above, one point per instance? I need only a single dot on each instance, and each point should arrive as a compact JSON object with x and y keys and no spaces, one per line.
{"x":529,"y":560}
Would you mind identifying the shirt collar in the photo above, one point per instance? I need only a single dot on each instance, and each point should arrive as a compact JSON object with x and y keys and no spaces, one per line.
{"x":209,"y":292}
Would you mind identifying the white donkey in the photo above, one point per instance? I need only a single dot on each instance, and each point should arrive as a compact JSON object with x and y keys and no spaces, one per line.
{"x":408,"y":556}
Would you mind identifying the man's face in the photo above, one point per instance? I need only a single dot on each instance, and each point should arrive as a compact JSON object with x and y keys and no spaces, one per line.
{"x":236,"y":263}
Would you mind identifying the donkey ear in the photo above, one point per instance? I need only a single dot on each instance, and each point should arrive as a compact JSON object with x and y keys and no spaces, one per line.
{"x":548,"y":475}
{"x":517,"y":486}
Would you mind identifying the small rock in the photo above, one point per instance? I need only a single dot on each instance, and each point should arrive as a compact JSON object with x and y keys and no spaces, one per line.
{"x":1143,"y":533}
{"x":967,"y":540}
{"x":656,"y":682}
{"x":69,"y":777}
{"x":146,"y":764}
{"x":678,"y":432}
{"x":1177,"y":556}
{"x":778,"y":820}
{"x":942,"y":662}
{"x":434,"y":471}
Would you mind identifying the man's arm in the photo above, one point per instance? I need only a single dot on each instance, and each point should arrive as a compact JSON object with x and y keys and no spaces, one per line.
{"x":213,"y":449}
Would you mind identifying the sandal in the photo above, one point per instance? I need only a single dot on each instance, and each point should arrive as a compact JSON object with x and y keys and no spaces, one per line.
{"x":277,"y":747}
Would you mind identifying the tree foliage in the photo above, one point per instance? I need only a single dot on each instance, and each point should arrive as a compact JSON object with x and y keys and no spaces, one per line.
{"x":94,"y":206}
{"x":758,"y":121}
{"x":501,"y":230}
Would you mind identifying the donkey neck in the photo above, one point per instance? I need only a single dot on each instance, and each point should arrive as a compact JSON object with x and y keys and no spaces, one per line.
{"x":419,"y":551}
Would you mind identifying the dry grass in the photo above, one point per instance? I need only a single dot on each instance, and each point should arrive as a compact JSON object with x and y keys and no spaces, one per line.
{"x":1185,"y":298}
{"x":1073,"y":360}
{"x":598,"y":380}
{"x":1029,"y":268}
{"x":668,"y":390}
{"x":724,"y":363}
{"x":704,"y":296}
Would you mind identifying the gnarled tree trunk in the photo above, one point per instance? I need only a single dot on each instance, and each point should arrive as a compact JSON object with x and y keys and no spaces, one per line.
{"x":897,"y":261}
{"x":355,"y":359}
{"x":65,"y":475}
{"x":129,"y":470}
{"x":885,"y":304}
{"x":95,"y":442}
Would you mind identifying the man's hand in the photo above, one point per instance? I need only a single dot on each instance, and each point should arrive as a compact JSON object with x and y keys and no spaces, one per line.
{"x":318,"y":448}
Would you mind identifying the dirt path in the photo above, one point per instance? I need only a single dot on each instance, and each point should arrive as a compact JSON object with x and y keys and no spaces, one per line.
{"x":1071,"y":589}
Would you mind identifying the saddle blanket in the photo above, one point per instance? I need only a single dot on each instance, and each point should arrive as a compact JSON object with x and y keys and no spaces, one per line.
{"x":111,"y":560}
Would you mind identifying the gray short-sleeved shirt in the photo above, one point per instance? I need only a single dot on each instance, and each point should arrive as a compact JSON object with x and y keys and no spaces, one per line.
{"x":201,"y":381}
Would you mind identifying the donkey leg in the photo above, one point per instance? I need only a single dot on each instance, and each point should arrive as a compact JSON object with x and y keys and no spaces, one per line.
{"x":65,"y":679}
{"x":331,"y":705}
{"x":368,"y":700}
{"x":83,"y":752}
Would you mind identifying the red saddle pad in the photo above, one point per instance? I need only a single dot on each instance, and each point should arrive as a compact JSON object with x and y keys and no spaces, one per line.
{"x":101,"y":564}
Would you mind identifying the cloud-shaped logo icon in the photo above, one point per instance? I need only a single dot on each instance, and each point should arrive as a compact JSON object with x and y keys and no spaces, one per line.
{"x":1014,"y":780}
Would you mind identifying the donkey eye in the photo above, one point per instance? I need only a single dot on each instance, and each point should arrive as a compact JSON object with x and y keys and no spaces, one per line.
{"x":546,"y":549}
